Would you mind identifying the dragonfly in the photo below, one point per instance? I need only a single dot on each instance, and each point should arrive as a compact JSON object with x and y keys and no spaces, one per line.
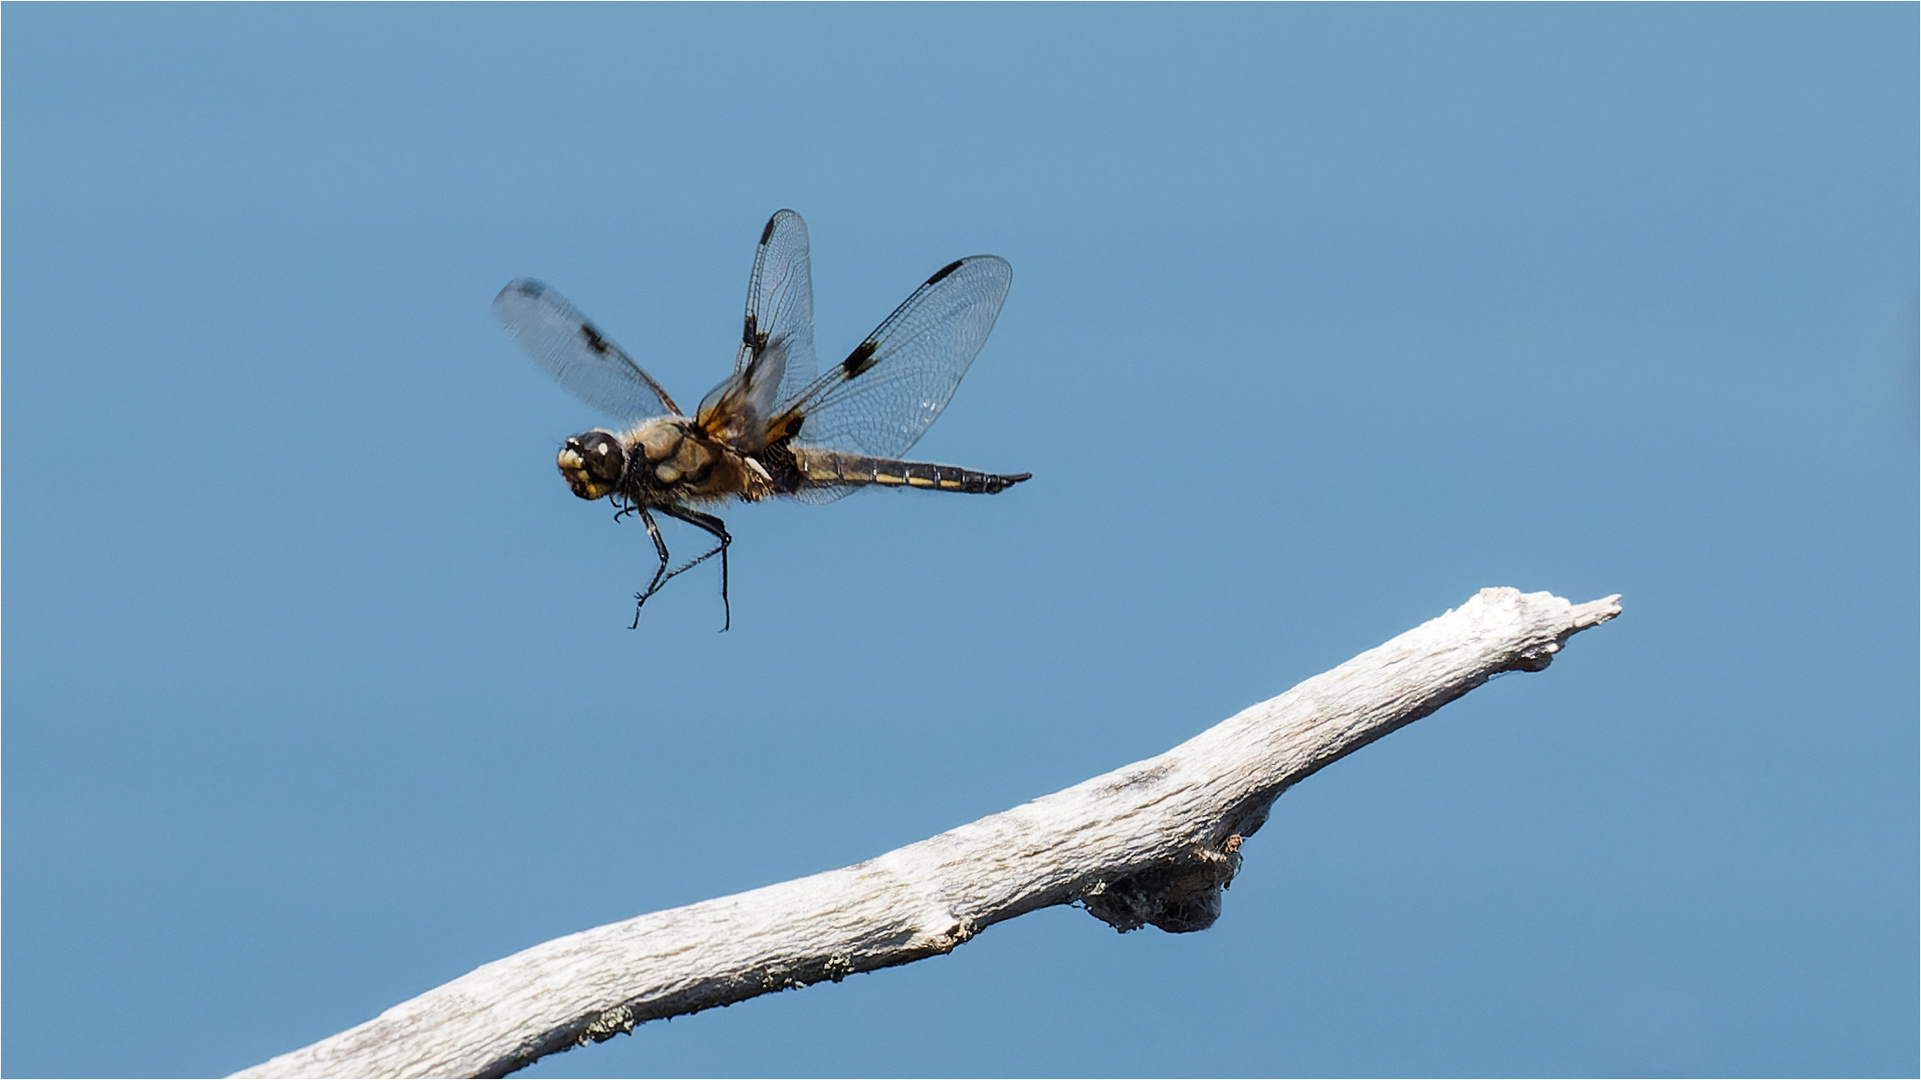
{"x":775,"y":427}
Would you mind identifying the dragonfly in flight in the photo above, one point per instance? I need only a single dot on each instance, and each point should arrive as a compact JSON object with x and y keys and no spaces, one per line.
{"x":774,"y":427}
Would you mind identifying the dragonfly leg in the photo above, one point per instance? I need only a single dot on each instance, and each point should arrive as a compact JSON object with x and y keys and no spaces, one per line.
{"x":718,"y":529}
{"x":660,"y":548}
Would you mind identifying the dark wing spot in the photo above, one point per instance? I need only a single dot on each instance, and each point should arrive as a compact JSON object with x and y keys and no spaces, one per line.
{"x":944,"y":271}
{"x":780,"y":431}
{"x":751,"y":331}
{"x":769,"y":230}
{"x":859,"y":360}
{"x":594,"y":340}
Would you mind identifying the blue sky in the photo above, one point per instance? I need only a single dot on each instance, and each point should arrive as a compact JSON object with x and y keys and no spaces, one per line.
{"x":318,"y":685}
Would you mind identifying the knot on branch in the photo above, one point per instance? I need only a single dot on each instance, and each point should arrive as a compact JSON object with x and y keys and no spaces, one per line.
{"x":618,"y":1020}
{"x":955,"y":936}
{"x":1179,"y":898}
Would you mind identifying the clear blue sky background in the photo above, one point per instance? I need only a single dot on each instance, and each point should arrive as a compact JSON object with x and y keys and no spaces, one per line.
{"x":318,"y":685}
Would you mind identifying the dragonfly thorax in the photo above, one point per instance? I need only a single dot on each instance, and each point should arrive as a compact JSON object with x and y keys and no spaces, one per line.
{"x":668,"y":459}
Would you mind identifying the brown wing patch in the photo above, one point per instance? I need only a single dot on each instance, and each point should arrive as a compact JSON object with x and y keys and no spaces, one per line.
{"x":784,"y":427}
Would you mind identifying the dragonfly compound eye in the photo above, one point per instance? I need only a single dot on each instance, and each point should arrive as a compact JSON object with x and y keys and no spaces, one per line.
{"x":592,"y":464}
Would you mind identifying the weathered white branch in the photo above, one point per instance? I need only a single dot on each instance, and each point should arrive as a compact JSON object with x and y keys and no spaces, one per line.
{"x":1154,"y":842}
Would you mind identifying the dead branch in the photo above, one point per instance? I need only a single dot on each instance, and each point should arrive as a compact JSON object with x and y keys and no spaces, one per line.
{"x":1152,"y":843}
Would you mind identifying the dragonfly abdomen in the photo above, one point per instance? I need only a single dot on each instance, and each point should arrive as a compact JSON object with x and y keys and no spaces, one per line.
{"x":827,"y":469}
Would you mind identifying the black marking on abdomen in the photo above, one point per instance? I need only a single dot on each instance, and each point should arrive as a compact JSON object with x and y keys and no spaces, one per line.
{"x":847,"y":469}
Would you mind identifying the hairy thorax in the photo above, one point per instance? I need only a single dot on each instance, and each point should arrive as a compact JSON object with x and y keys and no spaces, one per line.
{"x":667,"y":460}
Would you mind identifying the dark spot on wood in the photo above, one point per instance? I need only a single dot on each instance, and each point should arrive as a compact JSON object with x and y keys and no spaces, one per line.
{"x":944,"y":271}
{"x":1135,"y":777}
{"x":860,"y":359}
{"x":594,"y":340}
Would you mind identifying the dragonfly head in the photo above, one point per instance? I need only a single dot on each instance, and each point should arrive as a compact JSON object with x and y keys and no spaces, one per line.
{"x":592,"y":464}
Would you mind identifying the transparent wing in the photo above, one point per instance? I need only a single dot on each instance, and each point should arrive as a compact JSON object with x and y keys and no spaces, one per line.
{"x":882,"y":398}
{"x":574,"y":351}
{"x":779,"y":325}
{"x":776,"y":356}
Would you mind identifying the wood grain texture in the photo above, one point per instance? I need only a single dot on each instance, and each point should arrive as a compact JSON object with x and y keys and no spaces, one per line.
{"x":1152,"y":843}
